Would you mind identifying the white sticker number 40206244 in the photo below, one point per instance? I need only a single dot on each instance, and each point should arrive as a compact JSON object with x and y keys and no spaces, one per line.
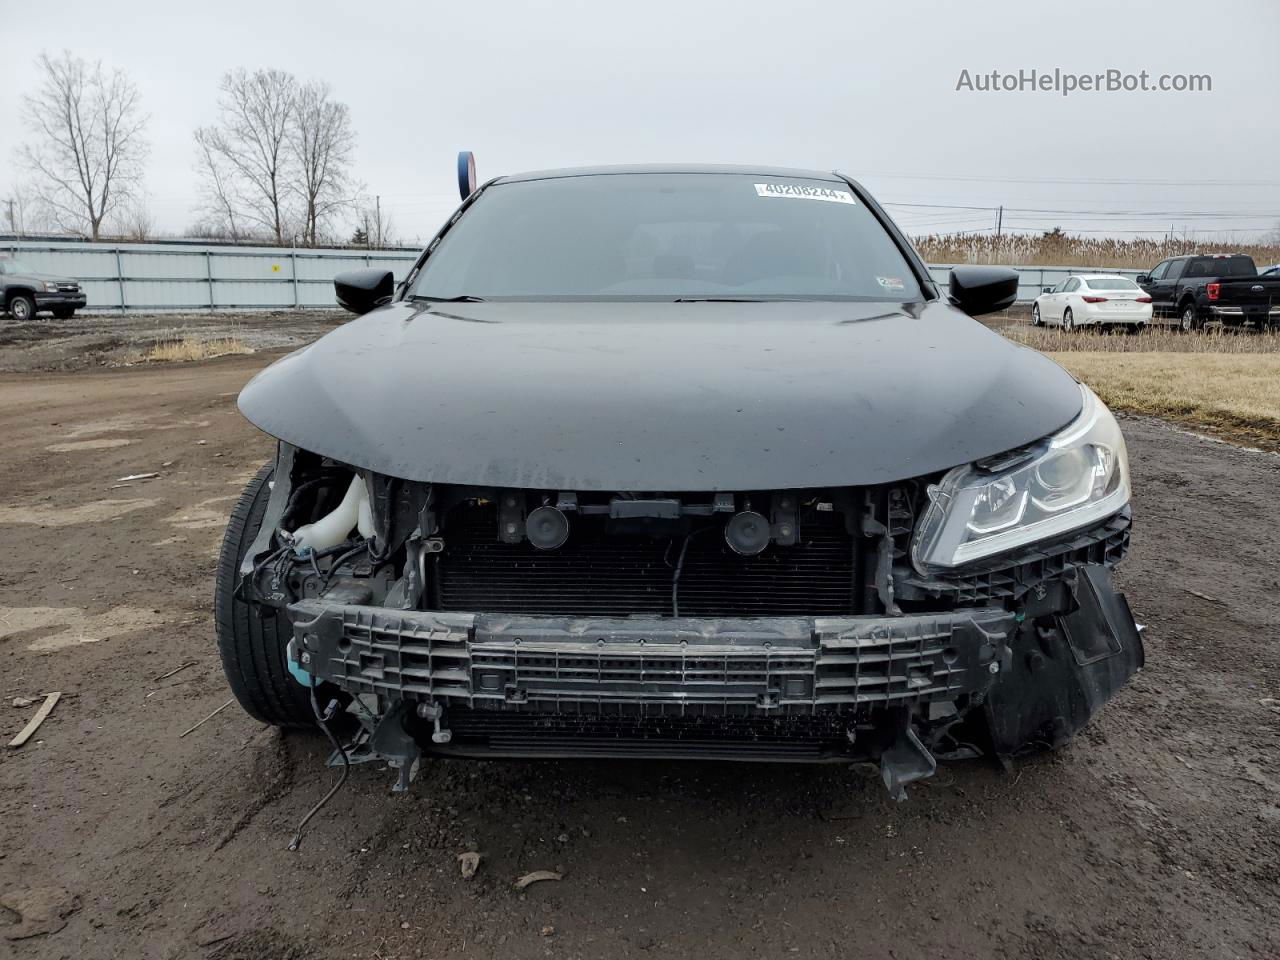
{"x":804,"y":191}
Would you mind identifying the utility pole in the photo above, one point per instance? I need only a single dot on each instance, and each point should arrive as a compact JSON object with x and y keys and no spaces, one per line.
{"x":377,"y":206}
{"x":999,"y":222}
{"x":13,"y":224}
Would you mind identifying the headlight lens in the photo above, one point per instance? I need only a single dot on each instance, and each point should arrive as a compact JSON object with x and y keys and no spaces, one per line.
{"x":1073,"y":479}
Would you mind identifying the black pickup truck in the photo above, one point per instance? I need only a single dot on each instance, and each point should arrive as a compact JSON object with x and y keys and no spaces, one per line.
{"x":1220,"y":287}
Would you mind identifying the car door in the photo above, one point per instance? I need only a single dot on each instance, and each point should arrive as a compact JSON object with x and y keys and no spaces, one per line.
{"x":1164,"y":287}
{"x":1051,"y":308}
{"x":1068,"y":298}
{"x":1151,"y":283}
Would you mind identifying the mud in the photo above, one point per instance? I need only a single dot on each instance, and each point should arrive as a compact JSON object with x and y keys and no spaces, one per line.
{"x":1155,"y":834}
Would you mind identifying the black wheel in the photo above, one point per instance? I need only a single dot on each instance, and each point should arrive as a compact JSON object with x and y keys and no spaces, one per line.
{"x":1189,"y":321}
{"x":1068,"y":321}
{"x":1035,"y":316}
{"x":22,"y":308}
{"x":62,"y":313}
{"x":252,"y":647}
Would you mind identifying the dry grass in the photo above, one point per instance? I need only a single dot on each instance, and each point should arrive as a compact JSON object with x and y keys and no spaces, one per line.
{"x":1064,"y":250}
{"x":1235,"y":396}
{"x":1151,"y":340}
{"x":187,"y":348}
{"x":1223,"y":383}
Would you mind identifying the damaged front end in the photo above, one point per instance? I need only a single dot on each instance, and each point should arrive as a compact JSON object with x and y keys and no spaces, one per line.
{"x":749,"y":625}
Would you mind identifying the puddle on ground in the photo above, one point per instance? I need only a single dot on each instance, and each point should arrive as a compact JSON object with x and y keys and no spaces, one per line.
{"x":56,"y":628}
{"x":103,"y":444}
{"x":122,"y":423}
{"x":203,"y":514}
{"x":48,"y":515}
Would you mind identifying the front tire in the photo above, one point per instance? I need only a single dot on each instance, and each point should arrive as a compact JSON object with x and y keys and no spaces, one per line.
{"x":252,"y":647}
{"x":1035,"y":316}
{"x":22,"y":308}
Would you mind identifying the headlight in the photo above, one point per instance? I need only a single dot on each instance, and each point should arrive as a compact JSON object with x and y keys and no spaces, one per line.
{"x":1072,"y":479}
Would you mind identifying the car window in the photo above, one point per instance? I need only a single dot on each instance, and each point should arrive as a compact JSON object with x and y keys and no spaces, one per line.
{"x":1112,"y":283}
{"x":1072,"y":285}
{"x":1158,"y":272}
{"x":1175,"y":269}
{"x":1233,"y":267}
{"x":668,"y":236}
{"x":11,"y":266}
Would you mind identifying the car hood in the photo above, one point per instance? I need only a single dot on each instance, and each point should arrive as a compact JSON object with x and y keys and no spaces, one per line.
{"x":661,"y":396}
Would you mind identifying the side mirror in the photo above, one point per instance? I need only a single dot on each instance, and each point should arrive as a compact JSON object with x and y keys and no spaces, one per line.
{"x":1143,"y":278}
{"x":979,"y":290}
{"x":1046,"y":289}
{"x":361,"y":290}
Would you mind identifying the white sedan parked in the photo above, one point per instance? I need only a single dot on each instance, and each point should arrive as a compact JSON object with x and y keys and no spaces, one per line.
{"x":1093,"y":300}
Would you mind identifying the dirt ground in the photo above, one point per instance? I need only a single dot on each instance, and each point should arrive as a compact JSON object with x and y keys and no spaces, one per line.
{"x":97,"y":340}
{"x":1156,"y":834}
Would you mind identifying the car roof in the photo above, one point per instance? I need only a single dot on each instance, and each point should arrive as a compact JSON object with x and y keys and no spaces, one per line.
{"x":634,"y":168}
{"x":1101,"y":276}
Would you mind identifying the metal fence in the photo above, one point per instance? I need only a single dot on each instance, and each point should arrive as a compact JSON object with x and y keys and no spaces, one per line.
{"x":152,"y":277}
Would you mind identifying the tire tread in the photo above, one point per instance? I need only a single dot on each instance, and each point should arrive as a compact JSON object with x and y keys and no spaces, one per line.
{"x":252,"y":648}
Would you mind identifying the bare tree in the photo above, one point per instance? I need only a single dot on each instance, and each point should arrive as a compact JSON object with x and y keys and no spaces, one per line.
{"x":322,"y":142}
{"x":218,"y":186}
{"x":87,"y":149}
{"x":375,"y":224}
{"x":134,"y":222}
{"x":21,"y":211}
{"x":246,"y":161}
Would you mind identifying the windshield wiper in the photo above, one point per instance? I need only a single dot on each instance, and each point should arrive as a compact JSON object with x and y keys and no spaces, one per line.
{"x":464,"y":298}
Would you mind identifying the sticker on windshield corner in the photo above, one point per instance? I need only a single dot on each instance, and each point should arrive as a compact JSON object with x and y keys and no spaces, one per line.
{"x":891,"y":283}
{"x":804,"y":191}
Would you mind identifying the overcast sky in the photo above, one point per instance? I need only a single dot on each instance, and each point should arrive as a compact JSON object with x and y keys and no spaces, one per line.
{"x":868,"y":88}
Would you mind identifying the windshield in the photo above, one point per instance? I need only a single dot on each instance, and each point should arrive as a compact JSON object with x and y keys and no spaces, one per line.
{"x":1111,"y":283}
{"x":668,"y":237}
{"x":8,"y":265}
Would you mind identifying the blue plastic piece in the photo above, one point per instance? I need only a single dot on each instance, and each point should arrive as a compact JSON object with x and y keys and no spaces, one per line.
{"x":466,"y":173}
{"x":295,"y":668}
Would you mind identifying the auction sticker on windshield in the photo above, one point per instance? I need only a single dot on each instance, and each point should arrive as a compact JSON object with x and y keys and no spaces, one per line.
{"x":803,"y":191}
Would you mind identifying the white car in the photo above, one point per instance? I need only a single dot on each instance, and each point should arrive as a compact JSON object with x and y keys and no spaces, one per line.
{"x":1093,"y":300}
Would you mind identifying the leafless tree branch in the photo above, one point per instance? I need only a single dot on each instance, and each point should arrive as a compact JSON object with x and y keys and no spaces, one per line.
{"x":86,"y":146}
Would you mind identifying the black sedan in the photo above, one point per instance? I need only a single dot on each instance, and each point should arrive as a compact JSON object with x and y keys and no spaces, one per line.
{"x":678,"y":461}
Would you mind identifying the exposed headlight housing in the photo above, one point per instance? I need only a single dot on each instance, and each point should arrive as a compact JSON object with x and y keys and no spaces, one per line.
{"x":1070,"y":480}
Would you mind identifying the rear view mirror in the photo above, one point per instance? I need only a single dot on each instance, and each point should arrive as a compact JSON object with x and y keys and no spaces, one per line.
{"x":979,"y":290}
{"x":361,"y":290}
{"x":1144,"y":278}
